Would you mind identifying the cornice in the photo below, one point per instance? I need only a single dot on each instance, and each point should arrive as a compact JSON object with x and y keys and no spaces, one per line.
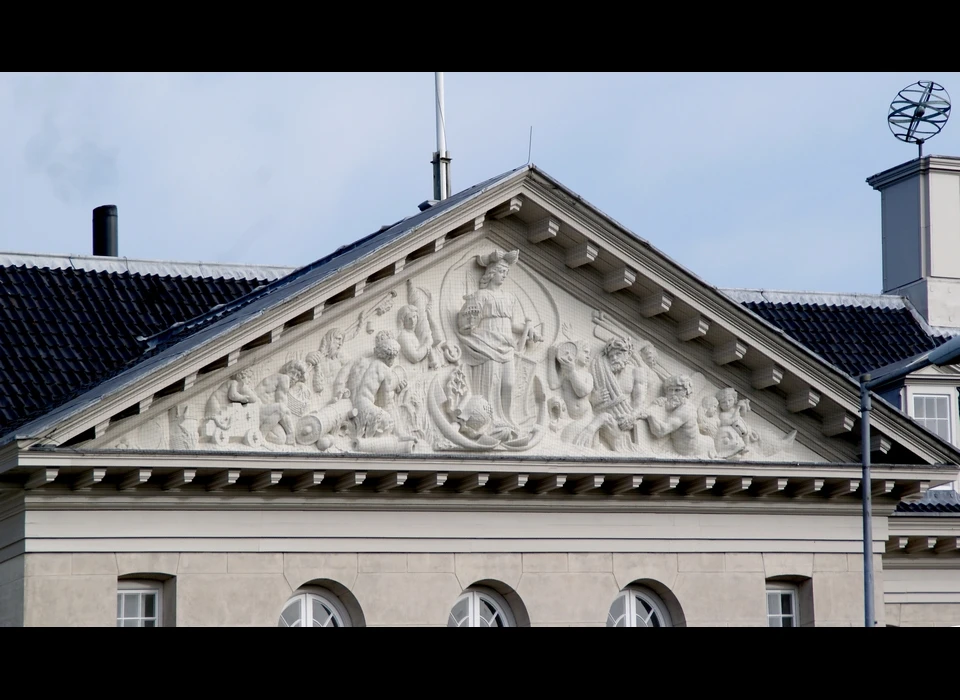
{"x":927,"y":164}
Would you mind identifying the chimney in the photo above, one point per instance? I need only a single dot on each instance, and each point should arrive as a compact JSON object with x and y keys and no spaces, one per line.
{"x":920,"y":223}
{"x":105,"y":230}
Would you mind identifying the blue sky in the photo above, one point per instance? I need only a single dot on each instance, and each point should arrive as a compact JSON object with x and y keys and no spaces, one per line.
{"x":747,"y":180}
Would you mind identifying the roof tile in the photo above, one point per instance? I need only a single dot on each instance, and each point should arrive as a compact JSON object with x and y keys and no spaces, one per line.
{"x":66,"y":328}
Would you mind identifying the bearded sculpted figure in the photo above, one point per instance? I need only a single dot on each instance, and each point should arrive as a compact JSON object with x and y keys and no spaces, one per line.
{"x":618,"y":398}
{"x":681,"y":421}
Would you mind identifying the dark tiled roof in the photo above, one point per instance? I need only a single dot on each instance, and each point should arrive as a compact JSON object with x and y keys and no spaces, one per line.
{"x":210,"y":315}
{"x":933,"y":503}
{"x":857,"y":333}
{"x":63,"y":330}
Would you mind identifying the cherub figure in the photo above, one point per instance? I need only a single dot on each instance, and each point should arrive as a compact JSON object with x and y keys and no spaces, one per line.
{"x":729,"y":414}
{"x":235,"y":390}
{"x":727,"y":442}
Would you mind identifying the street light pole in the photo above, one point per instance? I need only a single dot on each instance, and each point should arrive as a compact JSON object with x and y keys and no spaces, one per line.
{"x":868,"y":600}
{"x":946,"y":354}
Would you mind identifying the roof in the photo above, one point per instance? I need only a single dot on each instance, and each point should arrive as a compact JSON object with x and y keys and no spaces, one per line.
{"x":64,"y":329}
{"x":934,"y":502}
{"x":183,"y":318}
{"x":163,"y":268}
{"x":855,"y":332}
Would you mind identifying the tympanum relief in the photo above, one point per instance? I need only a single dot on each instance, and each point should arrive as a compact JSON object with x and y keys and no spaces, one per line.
{"x":480,"y":356}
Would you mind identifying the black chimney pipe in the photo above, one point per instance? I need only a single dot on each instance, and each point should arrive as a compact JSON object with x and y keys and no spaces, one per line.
{"x":105,"y":230}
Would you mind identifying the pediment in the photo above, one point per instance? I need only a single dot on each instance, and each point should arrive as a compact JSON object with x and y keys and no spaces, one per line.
{"x":521,"y":323}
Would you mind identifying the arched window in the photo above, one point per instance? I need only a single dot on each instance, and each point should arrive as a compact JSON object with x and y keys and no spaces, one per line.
{"x":314,"y":608}
{"x":481,"y":607}
{"x":638,"y":607}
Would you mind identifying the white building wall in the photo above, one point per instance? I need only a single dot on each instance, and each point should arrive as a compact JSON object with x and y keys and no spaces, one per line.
{"x":238,"y":568}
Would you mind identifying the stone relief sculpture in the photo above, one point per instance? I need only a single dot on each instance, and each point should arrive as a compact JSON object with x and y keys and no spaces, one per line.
{"x":568,"y":370}
{"x":720,"y":418}
{"x":232,"y":411}
{"x":618,"y":398}
{"x":476,"y":360}
{"x":681,"y":422}
{"x":374,"y":385}
{"x":283,"y":397}
{"x":468,"y":422}
{"x":380,"y":307}
{"x":330,"y":360}
{"x":420,"y":335}
{"x":493,"y":330}
{"x":183,"y":428}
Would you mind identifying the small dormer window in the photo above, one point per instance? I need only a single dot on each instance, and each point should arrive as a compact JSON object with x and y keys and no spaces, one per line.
{"x":932,"y":411}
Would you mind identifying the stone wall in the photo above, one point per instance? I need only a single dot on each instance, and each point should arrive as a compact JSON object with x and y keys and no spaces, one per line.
{"x":419,"y":589}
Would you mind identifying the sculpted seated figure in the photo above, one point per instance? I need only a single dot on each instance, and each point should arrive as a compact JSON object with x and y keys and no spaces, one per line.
{"x":234,"y":390}
{"x":277,"y":420}
{"x":376,"y":388}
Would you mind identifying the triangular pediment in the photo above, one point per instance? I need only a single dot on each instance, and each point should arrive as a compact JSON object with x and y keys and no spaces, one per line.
{"x":520,"y":322}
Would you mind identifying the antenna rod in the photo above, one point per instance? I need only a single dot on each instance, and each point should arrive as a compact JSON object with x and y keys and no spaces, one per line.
{"x":441,"y":159}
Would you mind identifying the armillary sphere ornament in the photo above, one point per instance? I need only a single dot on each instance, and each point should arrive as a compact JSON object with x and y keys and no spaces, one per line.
{"x":919,"y":112}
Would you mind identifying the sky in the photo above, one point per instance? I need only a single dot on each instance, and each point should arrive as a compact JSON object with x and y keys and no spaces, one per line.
{"x":752,"y":180}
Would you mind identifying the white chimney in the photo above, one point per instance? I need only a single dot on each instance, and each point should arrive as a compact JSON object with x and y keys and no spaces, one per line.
{"x":920,"y":221}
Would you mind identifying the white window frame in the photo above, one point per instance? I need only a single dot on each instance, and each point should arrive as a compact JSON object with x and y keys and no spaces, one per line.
{"x":948,"y":393}
{"x":630,"y":595}
{"x":474,"y":596}
{"x":779,"y":588}
{"x":308,"y":597}
{"x":128,"y":586}
{"x":931,"y":388}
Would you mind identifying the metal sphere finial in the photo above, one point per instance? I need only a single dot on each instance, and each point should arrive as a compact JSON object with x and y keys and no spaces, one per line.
{"x":919,"y":112}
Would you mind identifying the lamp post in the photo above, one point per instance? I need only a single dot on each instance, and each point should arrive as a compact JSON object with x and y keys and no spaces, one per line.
{"x":946,"y":354}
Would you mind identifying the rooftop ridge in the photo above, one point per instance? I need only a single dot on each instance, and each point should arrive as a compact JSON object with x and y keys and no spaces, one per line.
{"x":162,"y":268}
{"x":783,"y":296}
{"x":861,"y":300}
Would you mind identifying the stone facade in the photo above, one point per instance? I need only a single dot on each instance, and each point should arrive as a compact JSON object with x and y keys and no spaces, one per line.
{"x":416,"y":589}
